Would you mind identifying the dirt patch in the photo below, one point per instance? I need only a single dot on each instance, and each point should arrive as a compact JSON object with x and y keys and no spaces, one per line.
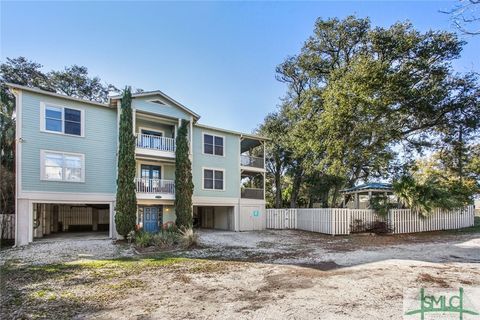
{"x":430,"y":279}
{"x":270,"y":275}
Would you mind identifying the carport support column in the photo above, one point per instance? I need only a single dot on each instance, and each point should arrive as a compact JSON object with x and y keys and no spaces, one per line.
{"x":23,"y":225}
{"x":113,"y":228}
{"x":94,"y":219}
{"x":236,"y":217}
{"x":40,"y":214}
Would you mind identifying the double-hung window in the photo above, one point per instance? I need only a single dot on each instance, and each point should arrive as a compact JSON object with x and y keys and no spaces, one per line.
{"x":60,"y":166}
{"x":213,"y":144}
{"x":213,"y":179}
{"x":62,"y":120}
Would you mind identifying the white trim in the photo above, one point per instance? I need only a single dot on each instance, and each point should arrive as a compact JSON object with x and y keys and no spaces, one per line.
{"x":18,"y":153}
{"x":42,"y":166}
{"x":213,"y":135}
{"x":252,"y":169}
{"x":155,"y":196}
{"x":154,"y":153}
{"x":43,"y":107}
{"x":214,"y":201}
{"x":246,"y":202}
{"x":59,"y":197}
{"x":214,"y":169}
{"x":151,"y":129}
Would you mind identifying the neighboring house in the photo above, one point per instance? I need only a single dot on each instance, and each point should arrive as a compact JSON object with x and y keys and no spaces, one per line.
{"x":66,"y":166}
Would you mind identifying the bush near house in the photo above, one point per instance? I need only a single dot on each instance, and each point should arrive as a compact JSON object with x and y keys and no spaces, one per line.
{"x":167,"y":239}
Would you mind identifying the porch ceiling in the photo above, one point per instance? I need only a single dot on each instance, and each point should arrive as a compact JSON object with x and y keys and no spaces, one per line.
{"x":248,"y":144}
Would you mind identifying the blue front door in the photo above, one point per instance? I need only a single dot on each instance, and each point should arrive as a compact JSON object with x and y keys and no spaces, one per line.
{"x":150,"y":219}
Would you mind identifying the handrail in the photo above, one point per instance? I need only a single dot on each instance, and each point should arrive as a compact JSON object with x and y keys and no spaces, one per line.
{"x":148,"y":141}
{"x":145,"y":185}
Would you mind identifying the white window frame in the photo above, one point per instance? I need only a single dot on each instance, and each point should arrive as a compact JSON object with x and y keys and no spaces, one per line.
{"x":43,"y":108}
{"x":151,"y":129}
{"x":42,"y":166}
{"x":213,"y":135}
{"x":214,"y":169}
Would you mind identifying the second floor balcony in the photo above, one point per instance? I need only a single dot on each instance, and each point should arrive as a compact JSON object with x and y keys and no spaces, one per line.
{"x":155,"y":188}
{"x":154,"y":145}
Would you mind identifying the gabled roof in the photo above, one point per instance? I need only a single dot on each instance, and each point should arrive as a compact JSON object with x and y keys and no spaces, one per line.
{"x":53,"y":94}
{"x":164,"y":96}
{"x":370,"y":186}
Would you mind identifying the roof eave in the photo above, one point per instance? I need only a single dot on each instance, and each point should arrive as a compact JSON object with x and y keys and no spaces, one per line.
{"x":54,"y":94}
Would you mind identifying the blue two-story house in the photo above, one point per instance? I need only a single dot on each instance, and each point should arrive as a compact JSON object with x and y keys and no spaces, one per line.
{"x":66,"y":167}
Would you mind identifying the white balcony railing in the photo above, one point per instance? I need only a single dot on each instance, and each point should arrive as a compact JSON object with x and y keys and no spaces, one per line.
{"x":148,"y":141}
{"x":145,"y":185}
{"x":249,"y":161}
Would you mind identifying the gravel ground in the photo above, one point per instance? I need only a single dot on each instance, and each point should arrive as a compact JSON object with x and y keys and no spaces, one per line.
{"x":249,"y":275}
{"x":51,"y":252}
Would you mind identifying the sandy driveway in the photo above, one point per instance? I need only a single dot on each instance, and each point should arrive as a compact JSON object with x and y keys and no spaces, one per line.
{"x":258,"y":275}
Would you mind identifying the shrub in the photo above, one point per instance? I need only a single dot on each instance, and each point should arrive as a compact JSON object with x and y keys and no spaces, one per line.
{"x":188,"y":238}
{"x":379,"y":227}
{"x":143,"y":239}
{"x":166,"y":238}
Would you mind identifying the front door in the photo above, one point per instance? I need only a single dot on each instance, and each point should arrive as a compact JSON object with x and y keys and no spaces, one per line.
{"x":151,"y":176}
{"x":151,"y":218}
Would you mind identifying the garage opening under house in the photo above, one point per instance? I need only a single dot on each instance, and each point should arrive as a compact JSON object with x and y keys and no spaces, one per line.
{"x":57,"y":220}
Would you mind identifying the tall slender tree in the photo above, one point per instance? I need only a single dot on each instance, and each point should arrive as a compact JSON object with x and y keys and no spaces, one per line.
{"x":183,"y":179}
{"x":126,"y":209}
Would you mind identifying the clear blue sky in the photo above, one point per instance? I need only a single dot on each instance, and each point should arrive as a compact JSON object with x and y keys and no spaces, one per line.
{"x":218,"y":58}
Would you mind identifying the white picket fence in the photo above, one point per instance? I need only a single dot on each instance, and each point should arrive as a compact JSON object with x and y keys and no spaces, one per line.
{"x":337,"y":221}
{"x":406,"y":221}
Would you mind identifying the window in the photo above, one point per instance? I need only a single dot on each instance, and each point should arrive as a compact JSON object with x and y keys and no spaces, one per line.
{"x":213,"y":144}
{"x":213,"y":179}
{"x":58,"y":166}
{"x":61,"y":120}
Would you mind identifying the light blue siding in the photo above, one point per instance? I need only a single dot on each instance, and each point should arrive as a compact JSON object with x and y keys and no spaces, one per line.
{"x":99,"y":145}
{"x":165,"y":110}
{"x":230,"y":163}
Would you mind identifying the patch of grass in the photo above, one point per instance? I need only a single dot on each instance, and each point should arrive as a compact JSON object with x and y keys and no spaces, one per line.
{"x":127,"y":284}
